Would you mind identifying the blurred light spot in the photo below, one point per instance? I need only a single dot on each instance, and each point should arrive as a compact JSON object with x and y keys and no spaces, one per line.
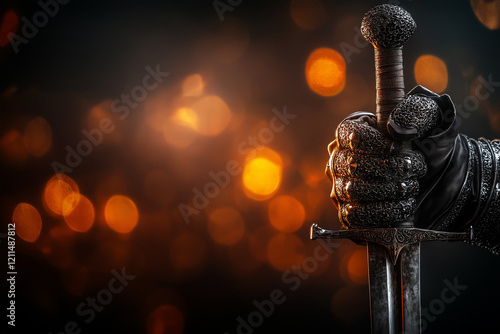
{"x":357,"y":267}
{"x":12,"y":147}
{"x":80,"y":218}
{"x":213,"y":115}
{"x":186,"y":117}
{"x":27,"y":221}
{"x":431,"y":72}
{"x":325,"y":72}
{"x":487,"y":12}
{"x":179,"y":130}
{"x":9,"y":25}
{"x":312,"y":172}
{"x":286,"y":214}
{"x":308,"y":14}
{"x":193,"y":85}
{"x":226,"y":226}
{"x":37,"y":137}
{"x":349,"y":304}
{"x":188,"y":252}
{"x":57,"y":189}
{"x":121,"y":214}
{"x":285,"y":250}
{"x":165,"y":319}
{"x":102,"y":123}
{"x":262,"y":174}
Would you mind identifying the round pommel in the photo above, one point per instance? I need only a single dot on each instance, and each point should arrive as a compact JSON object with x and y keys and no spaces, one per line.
{"x":387,"y":26}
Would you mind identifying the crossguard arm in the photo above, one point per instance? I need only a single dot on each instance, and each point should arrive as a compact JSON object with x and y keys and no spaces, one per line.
{"x":394,"y":239}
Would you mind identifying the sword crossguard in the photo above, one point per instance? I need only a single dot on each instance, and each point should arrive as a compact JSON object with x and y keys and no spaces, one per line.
{"x":393,"y":238}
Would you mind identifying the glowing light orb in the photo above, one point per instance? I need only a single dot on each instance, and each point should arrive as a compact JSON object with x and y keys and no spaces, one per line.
{"x":431,"y":72}
{"x":121,"y":214}
{"x":27,"y":221}
{"x":286,"y":214}
{"x":325,"y":72}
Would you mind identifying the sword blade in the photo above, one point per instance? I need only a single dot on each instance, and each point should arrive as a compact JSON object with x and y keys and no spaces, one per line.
{"x":394,"y":290}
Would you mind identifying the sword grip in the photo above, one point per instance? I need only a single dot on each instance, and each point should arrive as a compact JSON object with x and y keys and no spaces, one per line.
{"x":387,"y":28}
{"x":390,"y":83}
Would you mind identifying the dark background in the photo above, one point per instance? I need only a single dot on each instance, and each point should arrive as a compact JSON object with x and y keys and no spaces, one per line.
{"x":93,"y":51}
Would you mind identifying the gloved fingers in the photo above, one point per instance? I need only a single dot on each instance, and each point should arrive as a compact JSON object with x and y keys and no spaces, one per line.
{"x":376,"y":214}
{"x":414,"y":117}
{"x":352,"y":191}
{"x":360,"y":135}
{"x":406,"y":165}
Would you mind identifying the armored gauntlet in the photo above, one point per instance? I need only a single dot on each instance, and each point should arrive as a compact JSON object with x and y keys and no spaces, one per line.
{"x":425,"y":172}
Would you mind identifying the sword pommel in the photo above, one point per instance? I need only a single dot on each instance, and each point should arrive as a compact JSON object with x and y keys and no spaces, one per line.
{"x":387,"y":26}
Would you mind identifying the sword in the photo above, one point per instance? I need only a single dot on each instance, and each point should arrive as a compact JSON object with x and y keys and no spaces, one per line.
{"x":393,"y":251}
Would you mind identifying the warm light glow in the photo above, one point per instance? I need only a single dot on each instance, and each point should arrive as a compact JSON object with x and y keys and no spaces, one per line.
{"x":325,"y":72}
{"x":79,"y":217}
{"x":186,"y":117}
{"x":357,"y":267}
{"x":487,"y":12}
{"x":226,"y":226}
{"x":193,"y":85}
{"x":9,"y":25}
{"x":262,"y":174}
{"x":37,"y":137}
{"x":27,"y":221}
{"x":431,"y":72}
{"x":57,"y":189}
{"x":165,"y":319}
{"x":286,"y":214}
{"x":285,"y":250}
{"x":213,"y":115}
{"x":308,"y":14}
{"x":178,"y":135}
{"x":121,"y":214}
{"x":187,"y":252}
{"x":12,"y":147}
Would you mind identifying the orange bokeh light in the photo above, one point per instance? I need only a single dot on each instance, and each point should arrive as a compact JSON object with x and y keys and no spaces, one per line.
{"x":487,"y":12}
{"x":226,"y":226}
{"x":81,"y":217}
{"x":57,"y":189}
{"x":9,"y":25}
{"x":285,"y":250}
{"x":121,"y":213}
{"x":357,"y":267}
{"x":308,"y":14}
{"x":186,"y":117}
{"x":27,"y":221}
{"x":431,"y":72}
{"x":165,"y":319}
{"x":193,"y":85}
{"x":286,"y":214}
{"x":37,"y":137}
{"x":262,"y":174}
{"x":325,"y":72}
{"x":12,"y":147}
{"x":213,"y":115}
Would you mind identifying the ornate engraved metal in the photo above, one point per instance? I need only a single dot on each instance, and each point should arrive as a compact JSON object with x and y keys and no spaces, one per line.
{"x":394,"y":239}
{"x":387,"y":26}
{"x":416,"y":112}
